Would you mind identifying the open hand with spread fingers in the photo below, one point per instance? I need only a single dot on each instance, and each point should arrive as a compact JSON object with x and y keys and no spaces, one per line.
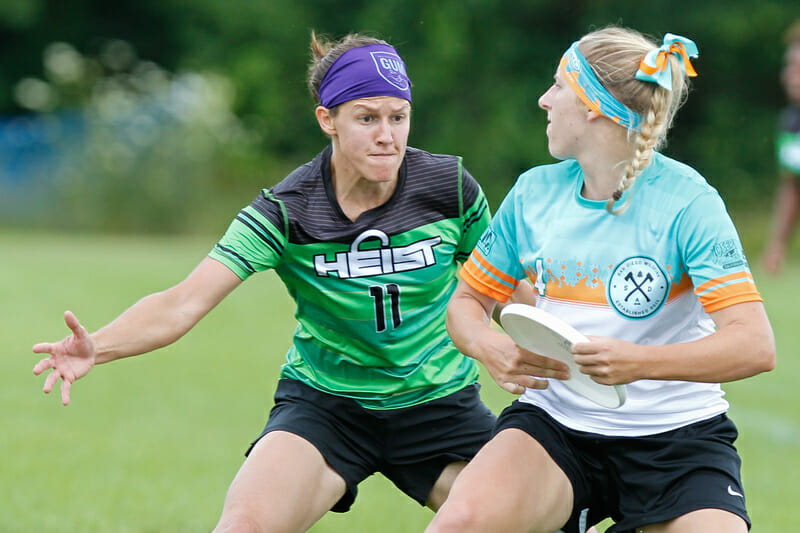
{"x":70,"y":358}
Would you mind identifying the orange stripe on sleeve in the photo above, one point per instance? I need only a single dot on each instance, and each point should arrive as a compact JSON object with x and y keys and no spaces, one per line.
{"x":730,"y":295}
{"x":724,"y":279}
{"x":476,"y":255}
{"x":484,"y":283}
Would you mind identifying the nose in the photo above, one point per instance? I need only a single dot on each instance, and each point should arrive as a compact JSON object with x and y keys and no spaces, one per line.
{"x":544,"y":99}
{"x":384,"y":133}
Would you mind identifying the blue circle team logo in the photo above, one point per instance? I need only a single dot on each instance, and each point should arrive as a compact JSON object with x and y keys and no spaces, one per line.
{"x":638,"y":287}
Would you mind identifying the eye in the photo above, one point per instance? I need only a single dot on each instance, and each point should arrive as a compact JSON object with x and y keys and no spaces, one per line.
{"x":366,"y":119}
{"x":399,"y":118}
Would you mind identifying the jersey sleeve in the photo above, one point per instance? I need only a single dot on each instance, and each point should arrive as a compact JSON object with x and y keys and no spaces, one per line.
{"x":713,"y":255}
{"x":475,"y":214}
{"x":255,"y":239}
{"x":493,"y":267}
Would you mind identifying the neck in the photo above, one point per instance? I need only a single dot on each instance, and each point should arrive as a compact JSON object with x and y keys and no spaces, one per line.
{"x":603,"y":164}
{"x":356,"y":194}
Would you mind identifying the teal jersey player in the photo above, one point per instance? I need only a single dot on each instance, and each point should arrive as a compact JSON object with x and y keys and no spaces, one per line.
{"x":371,"y":294}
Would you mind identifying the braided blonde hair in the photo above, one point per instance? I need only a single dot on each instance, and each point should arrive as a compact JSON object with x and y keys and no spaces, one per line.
{"x":614,"y":54}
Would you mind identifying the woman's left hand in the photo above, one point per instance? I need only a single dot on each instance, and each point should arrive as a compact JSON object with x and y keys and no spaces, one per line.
{"x":609,"y":361}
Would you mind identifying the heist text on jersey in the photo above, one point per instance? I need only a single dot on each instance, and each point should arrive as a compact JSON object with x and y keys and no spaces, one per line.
{"x":359,"y":263}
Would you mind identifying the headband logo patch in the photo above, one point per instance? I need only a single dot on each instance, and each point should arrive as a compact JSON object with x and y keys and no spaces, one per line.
{"x":637,"y":288}
{"x":391,"y":69}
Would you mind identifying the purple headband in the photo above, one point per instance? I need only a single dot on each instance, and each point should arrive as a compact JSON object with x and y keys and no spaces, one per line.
{"x":372,"y":70}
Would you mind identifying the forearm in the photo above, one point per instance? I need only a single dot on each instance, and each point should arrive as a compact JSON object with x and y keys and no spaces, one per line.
{"x":512,"y":368}
{"x":467,"y":322}
{"x":153,"y":322}
{"x":737,"y":350}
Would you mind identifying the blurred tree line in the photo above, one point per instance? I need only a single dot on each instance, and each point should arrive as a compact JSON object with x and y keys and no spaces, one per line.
{"x":478,"y":68}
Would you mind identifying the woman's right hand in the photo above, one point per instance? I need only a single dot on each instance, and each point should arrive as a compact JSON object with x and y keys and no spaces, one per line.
{"x":512,"y":367}
{"x":515,"y":368}
{"x":70,"y":358}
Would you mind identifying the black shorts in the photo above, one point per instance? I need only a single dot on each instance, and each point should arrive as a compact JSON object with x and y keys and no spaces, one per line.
{"x":638,"y":481}
{"x":410,"y":446}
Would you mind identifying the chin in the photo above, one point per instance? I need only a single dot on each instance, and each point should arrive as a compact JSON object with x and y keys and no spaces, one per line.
{"x":557,"y":153}
{"x":385,"y":173}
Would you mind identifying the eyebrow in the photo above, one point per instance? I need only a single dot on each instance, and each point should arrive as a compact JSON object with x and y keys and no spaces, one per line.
{"x":403,"y":108}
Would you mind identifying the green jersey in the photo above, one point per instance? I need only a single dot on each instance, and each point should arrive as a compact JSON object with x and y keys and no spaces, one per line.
{"x":789,"y":140}
{"x":371,"y":294}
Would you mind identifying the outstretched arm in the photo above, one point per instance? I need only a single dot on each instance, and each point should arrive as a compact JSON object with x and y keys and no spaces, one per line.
{"x":512,"y":367}
{"x":154,"y":321}
{"x":742,"y":346}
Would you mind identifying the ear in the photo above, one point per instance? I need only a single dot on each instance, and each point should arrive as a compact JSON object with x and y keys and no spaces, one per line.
{"x":591,"y":115}
{"x":325,"y":120}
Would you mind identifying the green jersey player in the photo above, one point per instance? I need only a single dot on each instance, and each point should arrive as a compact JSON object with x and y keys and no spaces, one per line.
{"x":367,"y":238}
{"x":787,"y":195}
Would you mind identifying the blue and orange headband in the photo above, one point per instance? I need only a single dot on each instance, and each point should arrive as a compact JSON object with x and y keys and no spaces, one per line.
{"x":363,"y":72}
{"x":655,"y":67}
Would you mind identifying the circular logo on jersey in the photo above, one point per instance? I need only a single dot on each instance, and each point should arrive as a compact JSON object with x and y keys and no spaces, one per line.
{"x":638,"y":287}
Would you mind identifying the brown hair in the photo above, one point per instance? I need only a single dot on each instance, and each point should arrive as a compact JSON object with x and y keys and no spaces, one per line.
{"x":792,"y":35}
{"x":614,"y":54}
{"x":324,"y":53}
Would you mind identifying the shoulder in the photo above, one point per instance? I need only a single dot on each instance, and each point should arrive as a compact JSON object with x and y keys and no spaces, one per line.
{"x":672,"y":190}
{"x":437,"y":181}
{"x":555,"y":175}
{"x":678,"y":178}
{"x":422,"y":165}
{"x":418,"y":154}
{"x":560,"y":170}
{"x":304,"y":178}
{"x":303,"y":189}
{"x":292,"y":194}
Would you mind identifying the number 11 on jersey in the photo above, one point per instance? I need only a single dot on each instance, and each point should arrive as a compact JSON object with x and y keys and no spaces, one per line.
{"x":378,"y":293}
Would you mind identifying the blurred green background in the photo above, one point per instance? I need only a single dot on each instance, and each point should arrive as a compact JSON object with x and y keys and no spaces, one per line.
{"x":131,"y":132}
{"x":168,"y":115}
{"x":150,"y":444}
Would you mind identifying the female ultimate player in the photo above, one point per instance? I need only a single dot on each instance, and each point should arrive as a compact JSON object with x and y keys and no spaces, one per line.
{"x":637,"y":251}
{"x":367,"y":238}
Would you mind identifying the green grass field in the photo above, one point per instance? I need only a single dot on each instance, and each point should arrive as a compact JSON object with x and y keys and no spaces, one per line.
{"x":150,"y":444}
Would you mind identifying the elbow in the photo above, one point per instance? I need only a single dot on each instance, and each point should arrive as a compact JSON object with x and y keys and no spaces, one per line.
{"x":450,"y":318}
{"x":768,"y":360}
{"x":765,"y":357}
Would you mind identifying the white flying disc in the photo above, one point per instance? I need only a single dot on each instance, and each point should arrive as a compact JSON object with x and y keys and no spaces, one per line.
{"x":540,"y":332}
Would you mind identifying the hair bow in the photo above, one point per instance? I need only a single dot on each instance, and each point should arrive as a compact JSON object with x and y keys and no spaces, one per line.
{"x":655,"y":66}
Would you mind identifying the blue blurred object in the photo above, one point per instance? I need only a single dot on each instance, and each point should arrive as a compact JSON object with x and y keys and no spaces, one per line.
{"x":32,"y":146}
{"x":35,"y":150}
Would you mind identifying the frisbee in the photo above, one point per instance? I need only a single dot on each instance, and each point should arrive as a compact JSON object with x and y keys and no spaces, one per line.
{"x":540,"y":332}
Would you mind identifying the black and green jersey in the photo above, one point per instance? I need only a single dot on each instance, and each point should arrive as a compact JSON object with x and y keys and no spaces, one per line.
{"x":371,"y":294}
{"x":789,"y":140}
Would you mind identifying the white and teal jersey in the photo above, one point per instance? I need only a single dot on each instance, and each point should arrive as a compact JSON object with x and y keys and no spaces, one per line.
{"x":371,"y":294}
{"x":650,"y":276}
